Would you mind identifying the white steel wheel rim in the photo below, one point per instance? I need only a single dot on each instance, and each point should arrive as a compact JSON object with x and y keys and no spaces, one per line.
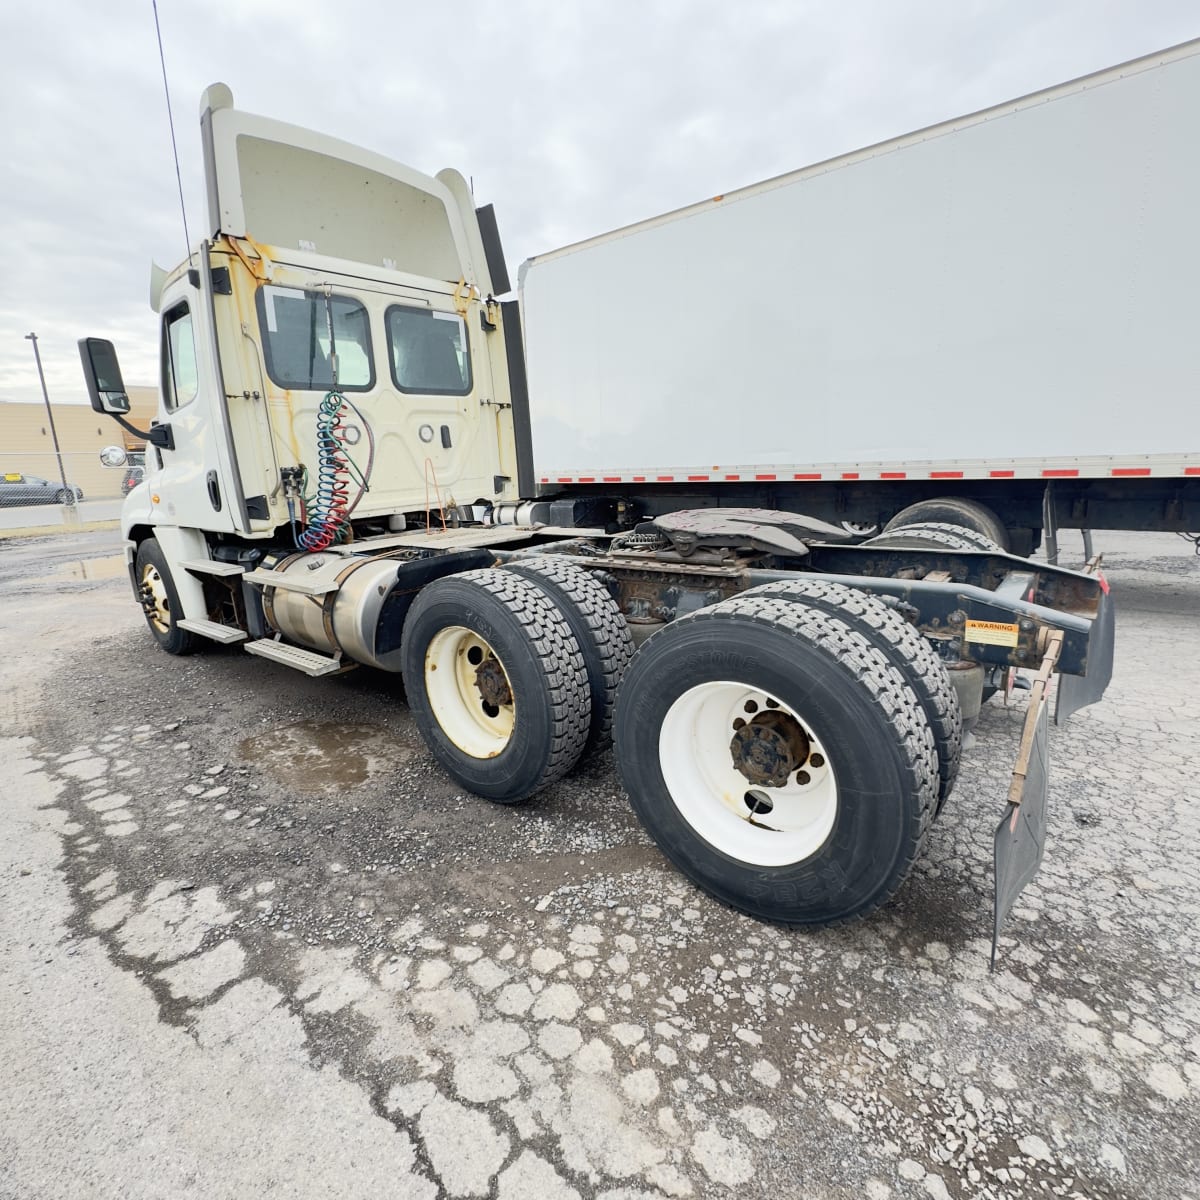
{"x":153,"y":581}
{"x":452,"y":662}
{"x":713,"y":796}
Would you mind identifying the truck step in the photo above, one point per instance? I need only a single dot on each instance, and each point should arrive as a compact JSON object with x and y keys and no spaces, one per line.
{"x":216,"y":632}
{"x":211,"y":566}
{"x":308,"y":661}
{"x":291,"y":583}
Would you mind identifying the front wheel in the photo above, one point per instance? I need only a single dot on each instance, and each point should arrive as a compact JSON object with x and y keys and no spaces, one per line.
{"x":777,"y":759}
{"x":64,"y":497}
{"x":160,"y":600}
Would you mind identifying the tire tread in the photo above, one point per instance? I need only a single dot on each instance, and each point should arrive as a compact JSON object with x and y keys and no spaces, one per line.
{"x":954,"y":510}
{"x":905,"y":648}
{"x":866,"y":664}
{"x":609,"y":644}
{"x":557,"y":655}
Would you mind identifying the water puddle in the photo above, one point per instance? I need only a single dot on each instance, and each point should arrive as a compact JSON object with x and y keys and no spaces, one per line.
{"x":321,"y":756}
{"x":89,"y":570}
{"x":92,"y":568}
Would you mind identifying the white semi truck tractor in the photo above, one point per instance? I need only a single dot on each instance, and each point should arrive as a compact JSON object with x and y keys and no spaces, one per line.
{"x":587,"y":517}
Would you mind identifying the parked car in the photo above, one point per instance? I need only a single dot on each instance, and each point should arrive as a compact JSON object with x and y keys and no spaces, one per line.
{"x":17,"y":488}
{"x":132,"y":477}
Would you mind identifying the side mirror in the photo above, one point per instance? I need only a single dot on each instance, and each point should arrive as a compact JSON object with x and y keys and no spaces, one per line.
{"x":102,"y":373}
{"x":113,"y":456}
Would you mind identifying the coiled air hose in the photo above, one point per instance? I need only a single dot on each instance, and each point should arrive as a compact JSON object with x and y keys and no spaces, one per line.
{"x":329,"y":513}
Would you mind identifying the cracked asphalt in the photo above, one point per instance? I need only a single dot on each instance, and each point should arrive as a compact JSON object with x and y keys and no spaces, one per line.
{"x":254,"y":943}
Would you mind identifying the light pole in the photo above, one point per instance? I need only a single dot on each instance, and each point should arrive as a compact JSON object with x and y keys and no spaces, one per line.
{"x":62,"y":474}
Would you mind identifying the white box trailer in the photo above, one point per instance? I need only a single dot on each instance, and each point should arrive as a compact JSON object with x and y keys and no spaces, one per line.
{"x":971,"y":309}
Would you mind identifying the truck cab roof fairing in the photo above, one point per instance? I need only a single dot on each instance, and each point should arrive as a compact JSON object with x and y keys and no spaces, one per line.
{"x":293,"y":189}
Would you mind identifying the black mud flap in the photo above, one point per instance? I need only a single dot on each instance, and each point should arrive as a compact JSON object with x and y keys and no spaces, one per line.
{"x":1021,"y":836}
{"x":1078,"y":691}
{"x":1020,"y":839}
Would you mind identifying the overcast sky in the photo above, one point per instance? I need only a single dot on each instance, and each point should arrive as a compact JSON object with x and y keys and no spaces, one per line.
{"x":572,"y":118}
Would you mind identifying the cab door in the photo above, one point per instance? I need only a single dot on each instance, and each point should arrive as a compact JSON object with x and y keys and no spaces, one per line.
{"x":193,"y":482}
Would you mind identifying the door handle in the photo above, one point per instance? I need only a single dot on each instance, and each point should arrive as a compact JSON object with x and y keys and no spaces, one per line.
{"x":214,"y":491}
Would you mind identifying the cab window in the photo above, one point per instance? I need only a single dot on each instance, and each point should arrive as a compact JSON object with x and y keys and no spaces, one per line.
{"x":428,"y":351}
{"x":180,"y":380}
{"x":307,"y":338}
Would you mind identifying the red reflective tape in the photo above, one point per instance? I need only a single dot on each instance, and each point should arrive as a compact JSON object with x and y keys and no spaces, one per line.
{"x":587,"y":479}
{"x":733,"y":477}
{"x":612,"y":479}
{"x":564,"y":479}
{"x":1191,"y":470}
{"x":1131,"y":470}
{"x":849,"y":474}
{"x":764,"y":477}
{"x":809,"y":475}
{"x":1060,"y":472}
{"x":945,"y":474}
{"x":1001,"y":474}
{"x":893,"y":474}
{"x":665,"y":478}
{"x":697,"y":479}
{"x":545,"y":478}
{"x":639,"y":479}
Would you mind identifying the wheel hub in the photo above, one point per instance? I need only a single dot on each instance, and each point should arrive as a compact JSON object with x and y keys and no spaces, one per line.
{"x":155,"y":602}
{"x":769,"y":747}
{"x":493,"y":683}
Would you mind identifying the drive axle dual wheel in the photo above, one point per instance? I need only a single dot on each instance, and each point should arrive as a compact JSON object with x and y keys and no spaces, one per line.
{"x":910,"y":653}
{"x":599,"y":628}
{"x":778,"y":758}
{"x":496,"y":682}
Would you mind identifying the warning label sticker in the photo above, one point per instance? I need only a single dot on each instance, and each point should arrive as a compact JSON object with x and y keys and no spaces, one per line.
{"x":992,"y":633}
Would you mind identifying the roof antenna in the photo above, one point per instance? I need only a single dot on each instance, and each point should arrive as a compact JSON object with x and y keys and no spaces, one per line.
{"x":171,"y":123}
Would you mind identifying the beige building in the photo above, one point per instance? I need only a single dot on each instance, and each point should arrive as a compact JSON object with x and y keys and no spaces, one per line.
{"x":27,"y":448}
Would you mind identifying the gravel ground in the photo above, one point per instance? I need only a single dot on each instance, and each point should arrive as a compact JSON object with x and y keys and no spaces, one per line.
{"x":253,"y":943}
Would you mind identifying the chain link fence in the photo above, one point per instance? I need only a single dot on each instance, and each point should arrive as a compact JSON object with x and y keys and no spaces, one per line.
{"x":72,"y":487}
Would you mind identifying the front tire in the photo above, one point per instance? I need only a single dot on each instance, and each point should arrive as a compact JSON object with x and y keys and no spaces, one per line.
{"x":64,"y":497}
{"x":496,"y":683}
{"x":160,"y":600}
{"x":778,"y":759}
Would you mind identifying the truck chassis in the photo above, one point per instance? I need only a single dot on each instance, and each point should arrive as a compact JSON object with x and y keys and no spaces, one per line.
{"x":788,"y":710}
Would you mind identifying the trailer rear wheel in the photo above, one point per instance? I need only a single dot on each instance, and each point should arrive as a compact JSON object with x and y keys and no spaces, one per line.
{"x":598,"y":626}
{"x":778,"y":759}
{"x":969,"y":537}
{"x":160,"y":600}
{"x":933,"y":535}
{"x":905,"y":648}
{"x":953,"y":510}
{"x":496,"y":683}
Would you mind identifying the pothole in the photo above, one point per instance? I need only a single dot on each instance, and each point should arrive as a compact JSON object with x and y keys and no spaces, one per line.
{"x":323,"y":756}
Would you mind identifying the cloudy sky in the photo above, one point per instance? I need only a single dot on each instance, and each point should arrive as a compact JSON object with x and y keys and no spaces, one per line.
{"x":572,"y":118}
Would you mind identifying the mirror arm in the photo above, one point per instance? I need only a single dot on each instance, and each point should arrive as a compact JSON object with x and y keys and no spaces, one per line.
{"x":142,"y":433}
